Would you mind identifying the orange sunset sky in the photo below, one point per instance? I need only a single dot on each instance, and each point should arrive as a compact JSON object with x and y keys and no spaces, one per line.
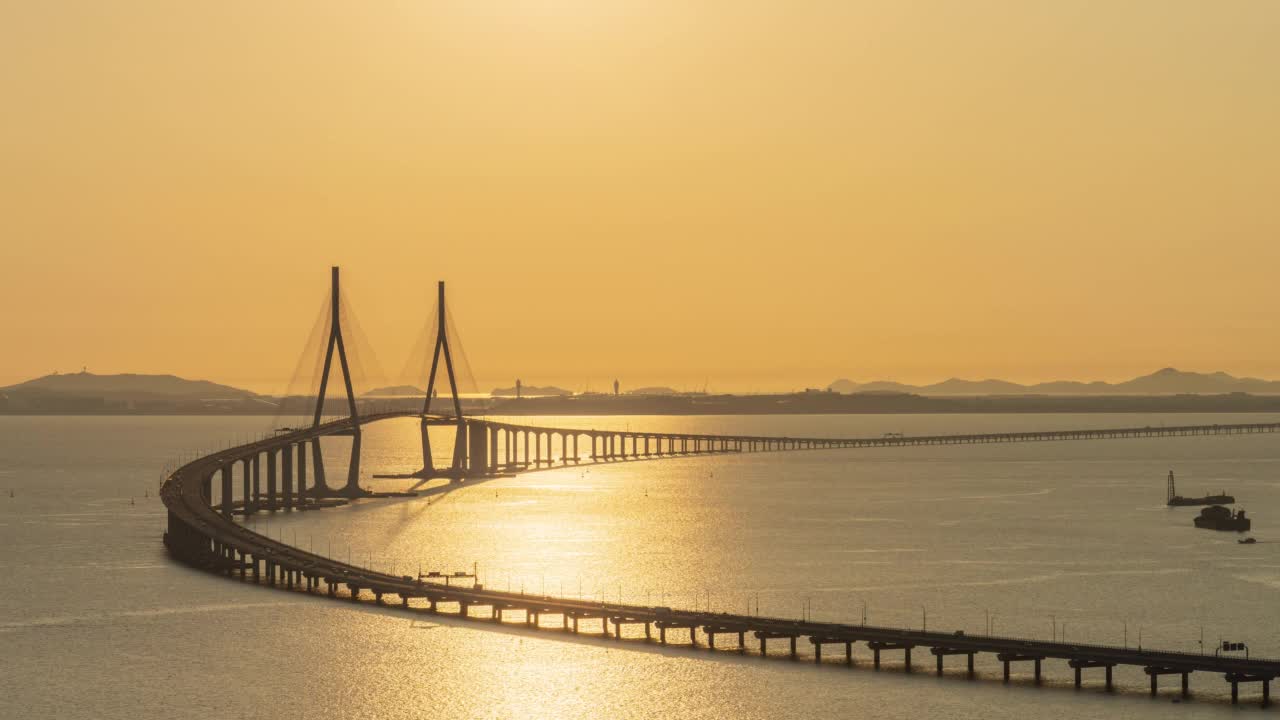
{"x":758,"y":195}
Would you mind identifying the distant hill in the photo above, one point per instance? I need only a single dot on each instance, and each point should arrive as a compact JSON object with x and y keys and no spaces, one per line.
{"x":656,"y":390}
{"x":85,"y":392}
{"x":89,"y":384}
{"x":531,"y":391}
{"x":396,"y":391}
{"x":1168,"y":381}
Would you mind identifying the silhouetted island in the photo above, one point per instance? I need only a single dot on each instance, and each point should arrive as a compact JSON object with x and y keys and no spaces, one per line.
{"x":89,"y":394}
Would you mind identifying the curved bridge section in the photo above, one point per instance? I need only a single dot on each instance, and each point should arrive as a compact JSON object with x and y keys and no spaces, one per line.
{"x":494,"y":447}
{"x":204,"y":535}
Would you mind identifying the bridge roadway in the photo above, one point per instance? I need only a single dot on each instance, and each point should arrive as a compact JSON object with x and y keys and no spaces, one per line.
{"x":491,"y":447}
{"x":204,"y":535}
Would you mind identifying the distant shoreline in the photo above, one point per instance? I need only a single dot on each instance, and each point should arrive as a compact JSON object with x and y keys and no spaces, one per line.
{"x":809,"y":403}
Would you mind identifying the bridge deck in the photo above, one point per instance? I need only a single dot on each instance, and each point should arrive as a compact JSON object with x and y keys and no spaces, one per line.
{"x":203,"y":537}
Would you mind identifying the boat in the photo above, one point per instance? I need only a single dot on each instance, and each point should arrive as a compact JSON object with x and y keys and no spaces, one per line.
{"x":1247,"y":541}
{"x":1176,"y":500}
{"x":1217,"y":517}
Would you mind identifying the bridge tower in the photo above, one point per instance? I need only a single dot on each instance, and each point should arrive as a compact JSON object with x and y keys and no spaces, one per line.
{"x":352,"y":488}
{"x":458,"y":467}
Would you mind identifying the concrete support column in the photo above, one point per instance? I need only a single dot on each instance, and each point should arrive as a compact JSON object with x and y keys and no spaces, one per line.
{"x":428,"y":467}
{"x":271,"y":480}
{"x":459,"y":466}
{"x":286,"y":475}
{"x":492,"y":436}
{"x":246,"y":481}
{"x":227,"y":493}
{"x":479,"y":448}
{"x":317,"y":460}
{"x":302,"y":470}
{"x":352,"y":488}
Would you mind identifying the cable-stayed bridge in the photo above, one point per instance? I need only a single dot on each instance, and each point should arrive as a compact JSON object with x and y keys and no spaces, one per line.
{"x":286,"y":472}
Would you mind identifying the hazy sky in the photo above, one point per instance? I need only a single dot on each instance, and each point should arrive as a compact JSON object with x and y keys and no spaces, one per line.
{"x":759,"y":194}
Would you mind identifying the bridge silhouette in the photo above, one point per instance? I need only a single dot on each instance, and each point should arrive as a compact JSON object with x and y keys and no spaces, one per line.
{"x":273,"y":477}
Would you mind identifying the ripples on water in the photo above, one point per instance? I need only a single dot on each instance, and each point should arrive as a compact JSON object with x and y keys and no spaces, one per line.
{"x":96,"y":622}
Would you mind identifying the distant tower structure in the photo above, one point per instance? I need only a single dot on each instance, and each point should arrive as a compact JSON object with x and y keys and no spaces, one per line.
{"x":518,"y":388}
{"x":615,"y":387}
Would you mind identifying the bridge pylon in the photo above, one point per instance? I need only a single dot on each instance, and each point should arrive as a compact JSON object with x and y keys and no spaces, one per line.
{"x":458,"y":467}
{"x":352,"y":488}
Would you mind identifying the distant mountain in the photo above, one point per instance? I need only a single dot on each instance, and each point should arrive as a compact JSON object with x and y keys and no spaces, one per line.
{"x":531,"y":391}
{"x":88,"y":384}
{"x":396,"y":391}
{"x":1168,"y":381}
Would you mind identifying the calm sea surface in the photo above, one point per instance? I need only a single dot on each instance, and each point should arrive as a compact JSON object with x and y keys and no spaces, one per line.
{"x":1070,"y":538}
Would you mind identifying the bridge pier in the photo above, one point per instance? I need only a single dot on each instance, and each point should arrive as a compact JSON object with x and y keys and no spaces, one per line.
{"x":664,"y":625}
{"x":1154,"y":672}
{"x":1080,"y":665}
{"x":478,"y":449}
{"x":458,"y":468}
{"x":352,"y":489}
{"x":877,"y":646}
{"x":940,"y":653}
{"x":1236,"y":678}
{"x":818,"y":642}
{"x":491,"y":439}
{"x":302,"y":470}
{"x":271,"y":480}
{"x":246,"y":490}
{"x":286,"y":475}
{"x":321,"y":488}
{"x":712,"y":630}
{"x":227,"y":498}
{"x":1007,"y":658}
{"x":764,"y":637}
